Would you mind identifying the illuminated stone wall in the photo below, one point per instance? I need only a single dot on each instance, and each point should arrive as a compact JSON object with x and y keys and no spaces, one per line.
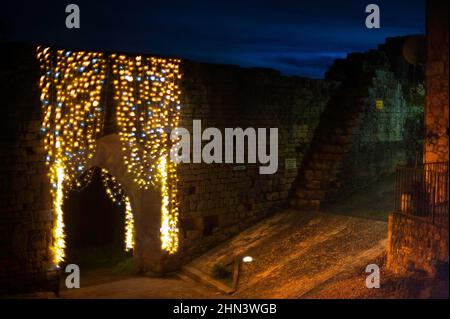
{"x":414,"y":244}
{"x":417,"y":244}
{"x":437,"y":108}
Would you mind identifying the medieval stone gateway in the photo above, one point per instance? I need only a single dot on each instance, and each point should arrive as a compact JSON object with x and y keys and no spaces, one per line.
{"x":320,"y":159}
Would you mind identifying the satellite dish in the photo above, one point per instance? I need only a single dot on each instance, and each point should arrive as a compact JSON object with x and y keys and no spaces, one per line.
{"x":414,"y":50}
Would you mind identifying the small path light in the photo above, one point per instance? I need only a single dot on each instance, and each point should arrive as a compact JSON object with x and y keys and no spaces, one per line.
{"x":247,"y":259}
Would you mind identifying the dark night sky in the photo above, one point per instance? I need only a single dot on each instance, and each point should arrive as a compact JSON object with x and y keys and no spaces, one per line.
{"x":296,"y":37}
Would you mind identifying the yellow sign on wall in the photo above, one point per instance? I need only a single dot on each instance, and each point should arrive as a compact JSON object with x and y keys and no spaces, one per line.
{"x":379,"y":104}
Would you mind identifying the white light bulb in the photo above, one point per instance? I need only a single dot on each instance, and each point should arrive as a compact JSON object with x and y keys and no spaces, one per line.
{"x":247,"y":259}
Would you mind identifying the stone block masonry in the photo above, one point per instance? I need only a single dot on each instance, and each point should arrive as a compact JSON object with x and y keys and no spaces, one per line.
{"x":215,"y":201}
{"x":436,"y":113}
{"x":25,"y":205}
{"x":219,"y":200}
{"x":385,"y":135}
{"x":415,"y":244}
{"x":368,"y":128}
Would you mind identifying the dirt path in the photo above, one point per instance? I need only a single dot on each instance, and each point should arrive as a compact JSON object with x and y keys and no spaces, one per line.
{"x":144,"y":288}
{"x":295,"y":252}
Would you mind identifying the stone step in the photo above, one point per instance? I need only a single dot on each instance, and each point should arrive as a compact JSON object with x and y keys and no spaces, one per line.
{"x":203,"y":278}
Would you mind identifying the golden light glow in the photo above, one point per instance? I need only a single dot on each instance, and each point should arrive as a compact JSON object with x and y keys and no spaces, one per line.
{"x":148,"y":107}
{"x":169,"y":213}
{"x":71,"y":87}
{"x":58,"y":227}
{"x":117,"y":195}
{"x":129,"y":225}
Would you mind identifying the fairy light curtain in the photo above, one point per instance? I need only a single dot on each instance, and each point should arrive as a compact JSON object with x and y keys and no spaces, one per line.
{"x":71,"y":87}
{"x":148,"y":106}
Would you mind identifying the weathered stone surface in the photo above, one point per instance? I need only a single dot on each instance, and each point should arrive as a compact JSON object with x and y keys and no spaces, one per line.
{"x":417,"y":244}
{"x":356,"y":141}
{"x":414,"y":244}
{"x":254,"y":98}
{"x":437,"y":108}
{"x":24,"y":238}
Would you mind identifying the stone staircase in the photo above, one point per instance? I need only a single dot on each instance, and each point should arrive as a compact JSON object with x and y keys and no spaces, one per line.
{"x":321,"y":173}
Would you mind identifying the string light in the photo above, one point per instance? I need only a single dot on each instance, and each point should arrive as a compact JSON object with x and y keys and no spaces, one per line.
{"x":83,"y":180}
{"x":117,"y":195}
{"x":59,"y":243}
{"x":129,"y":225}
{"x":169,"y":214}
{"x":148,"y":107}
{"x":71,"y":87}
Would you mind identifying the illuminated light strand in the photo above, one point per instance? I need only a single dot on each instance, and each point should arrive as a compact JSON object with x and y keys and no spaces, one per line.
{"x":117,"y":195}
{"x":113,"y":188}
{"x":148,"y":107}
{"x":83,"y":180}
{"x":71,"y":87}
{"x":169,"y":229}
{"x":59,"y":246}
{"x":129,"y":225}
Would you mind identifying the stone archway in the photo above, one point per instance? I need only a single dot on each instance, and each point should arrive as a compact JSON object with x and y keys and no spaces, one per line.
{"x":145,"y":204}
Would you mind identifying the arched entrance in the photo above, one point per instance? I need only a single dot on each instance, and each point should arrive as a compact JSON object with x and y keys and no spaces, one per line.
{"x":95,"y":225}
{"x":145,"y":205}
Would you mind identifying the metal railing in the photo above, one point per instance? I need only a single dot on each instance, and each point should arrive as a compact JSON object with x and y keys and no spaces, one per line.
{"x":422,"y":191}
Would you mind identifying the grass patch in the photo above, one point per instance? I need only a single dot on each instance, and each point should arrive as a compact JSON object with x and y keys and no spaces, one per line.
{"x":99,"y":257}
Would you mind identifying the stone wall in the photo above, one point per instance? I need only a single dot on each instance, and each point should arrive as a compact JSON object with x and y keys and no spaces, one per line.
{"x":219,"y":200}
{"x":415,"y":244}
{"x":389,"y":128}
{"x":372,"y":124}
{"x":25,"y":219}
{"x":437,"y":108}
{"x":216,"y":200}
{"x":387,"y":132}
